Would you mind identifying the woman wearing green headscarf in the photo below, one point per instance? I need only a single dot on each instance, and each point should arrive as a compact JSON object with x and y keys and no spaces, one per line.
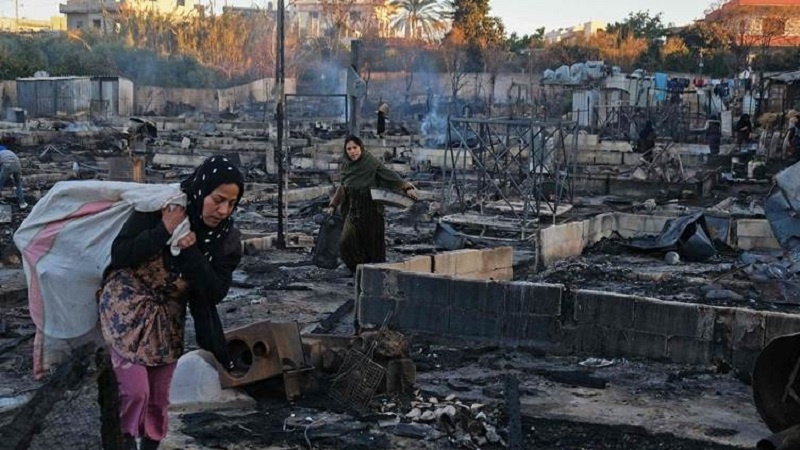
{"x":362,"y":240}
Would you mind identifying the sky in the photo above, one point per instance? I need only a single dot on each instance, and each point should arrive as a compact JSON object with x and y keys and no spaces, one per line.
{"x":521,"y":16}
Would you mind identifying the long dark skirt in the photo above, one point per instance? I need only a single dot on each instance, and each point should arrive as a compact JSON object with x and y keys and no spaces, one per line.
{"x":362,"y":240}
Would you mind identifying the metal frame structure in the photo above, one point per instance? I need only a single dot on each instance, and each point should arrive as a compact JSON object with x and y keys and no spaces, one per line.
{"x":510,"y":160}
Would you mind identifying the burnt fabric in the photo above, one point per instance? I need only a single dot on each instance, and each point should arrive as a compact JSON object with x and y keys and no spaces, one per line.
{"x":362,"y":240}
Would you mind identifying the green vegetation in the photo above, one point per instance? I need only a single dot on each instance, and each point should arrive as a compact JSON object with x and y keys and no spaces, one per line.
{"x":451,"y":36}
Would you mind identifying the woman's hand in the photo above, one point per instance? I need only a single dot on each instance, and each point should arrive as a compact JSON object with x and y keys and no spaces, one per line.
{"x":187,"y":241}
{"x":172,"y":216}
{"x":411,"y":191}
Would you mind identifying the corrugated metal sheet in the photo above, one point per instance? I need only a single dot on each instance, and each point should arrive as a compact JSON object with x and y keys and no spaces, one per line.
{"x":54,"y":95}
{"x":112,"y":96}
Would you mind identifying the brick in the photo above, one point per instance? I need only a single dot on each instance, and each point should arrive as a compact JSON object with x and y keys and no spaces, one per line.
{"x":780,"y":324}
{"x":604,"y":308}
{"x":668,"y":318}
{"x":469,"y":323}
{"x":686,"y":350}
{"x":423,"y":290}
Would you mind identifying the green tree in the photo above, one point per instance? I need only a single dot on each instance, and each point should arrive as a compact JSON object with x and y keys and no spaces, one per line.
{"x":639,"y":25}
{"x":481,"y":31}
{"x":419,"y":19}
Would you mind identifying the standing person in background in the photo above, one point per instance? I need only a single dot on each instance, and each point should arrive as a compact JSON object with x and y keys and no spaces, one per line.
{"x":147,"y":287}
{"x":791,"y":139}
{"x":362,"y":240}
{"x":714,"y":134}
{"x":383,"y":111}
{"x":10,"y":167}
{"x":743,"y":129}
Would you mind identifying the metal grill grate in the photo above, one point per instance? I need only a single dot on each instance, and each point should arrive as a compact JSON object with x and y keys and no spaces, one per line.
{"x":356,"y":381}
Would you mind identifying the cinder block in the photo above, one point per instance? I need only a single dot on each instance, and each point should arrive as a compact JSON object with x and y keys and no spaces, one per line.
{"x":778,"y":324}
{"x":758,"y":228}
{"x":533,"y":298}
{"x":604,"y":308}
{"x":601,"y":341}
{"x":686,"y":350}
{"x":757,"y":243}
{"x":542,"y":328}
{"x":597,"y":228}
{"x":722,"y":337}
{"x":560,"y":242}
{"x":647,"y":345}
{"x":630,"y":225}
{"x":749,"y":330}
{"x":459,"y":261}
{"x":424,"y":290}
{"x":668,"y":318}
{"x":743,"y":362}
{"x":376,"y":281}
{"x":417,"y":318}
{"x":546,"y":298}
{"x":482,"y":297}
{"x":514,"y":326}
{"x":504,"y":274}
{"x":497,"y":258}
{"x":470,"y":323}
{"x":608,"y":157}
{"x":371,"y":311}
{"x":421,"y":264}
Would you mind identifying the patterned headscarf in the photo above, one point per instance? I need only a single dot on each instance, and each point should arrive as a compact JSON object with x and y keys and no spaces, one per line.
{"x":214,"y":171}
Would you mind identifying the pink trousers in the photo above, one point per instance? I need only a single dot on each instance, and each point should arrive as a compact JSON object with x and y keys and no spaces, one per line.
{"x":144,"y":397}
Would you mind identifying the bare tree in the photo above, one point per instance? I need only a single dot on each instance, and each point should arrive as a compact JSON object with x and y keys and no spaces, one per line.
{"x":455,"y":59}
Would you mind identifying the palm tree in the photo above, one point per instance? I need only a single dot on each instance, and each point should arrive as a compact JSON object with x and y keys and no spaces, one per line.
{"x":419,"y":19}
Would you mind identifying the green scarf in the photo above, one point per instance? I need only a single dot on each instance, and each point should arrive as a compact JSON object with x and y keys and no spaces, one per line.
{"x":361,"y":172}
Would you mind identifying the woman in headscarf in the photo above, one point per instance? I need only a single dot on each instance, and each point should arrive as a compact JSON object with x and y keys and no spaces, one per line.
{"x":362,"y":239}
{"x":146,"y":289}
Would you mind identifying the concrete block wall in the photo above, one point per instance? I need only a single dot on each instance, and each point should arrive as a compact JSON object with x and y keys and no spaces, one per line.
{"x":551,"y":317}
{"x":568,"y":240}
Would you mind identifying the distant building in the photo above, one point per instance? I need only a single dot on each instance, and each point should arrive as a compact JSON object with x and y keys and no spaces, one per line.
{"x":22,"y":25}
{"x":102,"y":15}
{"x":771,"y":23}
{"x":585,"y":30}
{"x":313,"y":19}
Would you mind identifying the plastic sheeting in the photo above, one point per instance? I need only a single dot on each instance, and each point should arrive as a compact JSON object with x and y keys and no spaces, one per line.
{"x":689,"y":235}
{"x":66,"y":245}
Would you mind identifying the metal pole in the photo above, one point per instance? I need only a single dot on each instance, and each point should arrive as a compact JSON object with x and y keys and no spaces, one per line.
{"x":355,"y":102}
{"x":280,"y":119}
